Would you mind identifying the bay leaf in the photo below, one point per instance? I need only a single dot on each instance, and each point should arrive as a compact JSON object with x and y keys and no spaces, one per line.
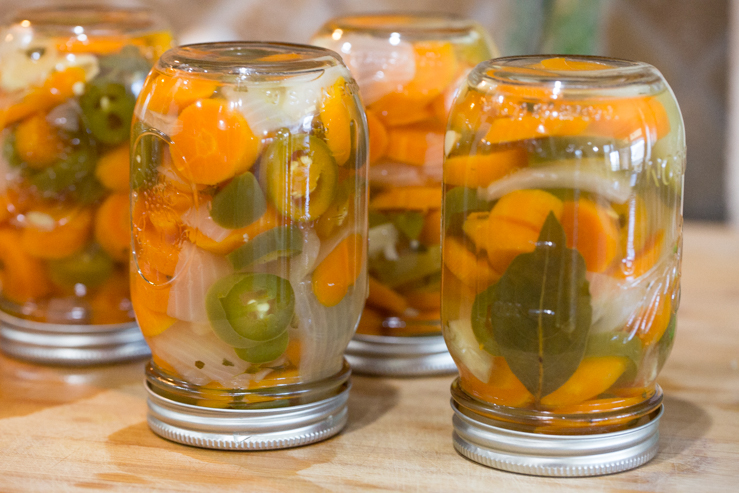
{"x":539,"y":312}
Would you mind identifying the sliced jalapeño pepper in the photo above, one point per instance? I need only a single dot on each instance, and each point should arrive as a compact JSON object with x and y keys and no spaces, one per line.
{"x":239,"y":203}
{"x":301,"y":175}
{"x":90,"y":267}
{"x":246,"y":310}
{"x":265,"y":352}
{"x":108,"y":111}
{"x":284,"y":241}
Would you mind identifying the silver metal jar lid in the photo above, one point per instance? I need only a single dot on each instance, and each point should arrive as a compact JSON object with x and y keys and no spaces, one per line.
{"x":478,"y":439}
{"x":70,"y":345}
{"x":390,"y":356}
{"x":247,"y":429}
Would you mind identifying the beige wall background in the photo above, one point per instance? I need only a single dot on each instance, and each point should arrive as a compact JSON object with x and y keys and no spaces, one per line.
{"x":686,"y":39}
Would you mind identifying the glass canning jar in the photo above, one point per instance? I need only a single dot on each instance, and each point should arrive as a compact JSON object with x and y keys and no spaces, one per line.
{"x":69,"y":77}
{"x":249,"y":217}
{"x":408,"y":67}
{"x":562,"y":242}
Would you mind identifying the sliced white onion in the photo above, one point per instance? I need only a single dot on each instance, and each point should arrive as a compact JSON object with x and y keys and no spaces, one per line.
{"x":382,"y":239}
{"x":199,"y":218}
{"x":303,"y":94}
{"x":325,"y":331}
{"x":66,"y":116}
{"x":589,"y":175}
{"x":378,"y":66}
{"x":393,"y":174}
{"x":185,"y":348}
{"x":305,"y":261}
{"x":195,"y":273}
{"x":464,"y":347}
{"x":167,"y":124}
{"x":27,"y":59}
{"x":614,"y":302}
{"x":261,"y":107}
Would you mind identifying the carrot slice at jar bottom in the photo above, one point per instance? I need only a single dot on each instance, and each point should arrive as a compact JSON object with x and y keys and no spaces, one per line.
{"x":419,"y":144}
{"x":62,"y":240}
{"x":420,"y":300}
{"x":502,"y":388}
{"x":593,"y":377}
{"x":23,"y":277}
{"x":37,"y":142}
{"x":385,"y":298}
{"x":431,"y":232}
{"x":506,"y":129}
{"x":377,"y":137}
{"x":113,"y":169}
{"x":336,"y":119}
{"x":370,"y":323}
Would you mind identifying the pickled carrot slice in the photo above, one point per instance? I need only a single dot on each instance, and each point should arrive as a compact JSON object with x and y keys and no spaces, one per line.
{"x":214,"y":143}
{"x":37,"y":143}
{"x":593,"y":377}
{"x":629,"y":119}
{"x":338,"y":271}
{"x":424,"y":300}
{"x":59,"y":87}
{"x":510,"y":129}
{"x":653,"y":323}
{"x":502,"y":388}
{"x":23,"y":277}
{"x":110,"y":302}
{"x":593,"y":231}
{"x":397,"y":109}
{"x":336,"y":120}
{"x":378,"y":138}
{"x":370,"y":323}
{"x":473,"y":271}
{"x":569,"y":65}
{"x":385,"y":298}
{"x":420,"y":144}
{"x":475,"y":226}
{"x":408,"y":198}
{"x":113,"y":168}
{"x":169,"y":95}
{"x":112,"y":223}
{"x":431,"y":232}
{"x":67,"y":234}
{"x":480,"y":170}
{"x":644,"y":260}
{"x":270,"y":219}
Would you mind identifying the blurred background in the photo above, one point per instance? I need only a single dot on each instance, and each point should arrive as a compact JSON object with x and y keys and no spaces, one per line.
{"x":687,"y":40}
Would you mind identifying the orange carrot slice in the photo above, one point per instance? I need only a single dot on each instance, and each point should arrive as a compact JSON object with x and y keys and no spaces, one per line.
{"x":59,"y":87}
{"x":424,"y":300}
{"x":113,"y":168}
{"x":408,"y":198}
{"x":502,"y":388}
{"x":385,"y":298}
{"x":67,"y":232}
{"x":509,"y":129}
{"x":338,"y":271}
{"x":151,"y":322}
{"x":592,"y":230}
{"x":336,"y":120}
{"x":570,"y":65}
{"x":214,"y":143}
{"x":378,"y":138}
{"x":431,"y":232}
{"x":653,"y":322}
{"x":110,"y":303}
{"x":480,"y":170}
{"x":23,"y":277}
{"x":112,"y":224}
{"x":474,"y":271}
{"x":644,"y":260}
{"x":370,"y":323}
{"x":629,"y":119}
{"x":593,"y":377}
{"x":270,"y":219}
{"x":418,"y":144}
{"x":38,"y":144}
{"x":169,"y":95}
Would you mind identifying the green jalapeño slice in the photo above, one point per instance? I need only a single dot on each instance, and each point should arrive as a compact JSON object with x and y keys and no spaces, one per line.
{"x":246,"y":310}
{"x":301,"y":176}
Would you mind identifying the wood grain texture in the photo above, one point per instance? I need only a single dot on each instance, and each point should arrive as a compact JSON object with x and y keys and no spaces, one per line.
{"x":85,"y":430}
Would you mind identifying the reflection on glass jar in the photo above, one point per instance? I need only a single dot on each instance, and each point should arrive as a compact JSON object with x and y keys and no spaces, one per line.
{"x":249,"y":227}
{"x":562,"y":244}
{"x":69,"y":77}
{"x":408,"y":68}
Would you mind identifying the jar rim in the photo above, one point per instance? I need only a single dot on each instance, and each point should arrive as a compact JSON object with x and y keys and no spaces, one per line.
{"x":248,"y":58}
{"x":521,"y":71}
{"x":427,"y":24}
{"x":89,"y":19}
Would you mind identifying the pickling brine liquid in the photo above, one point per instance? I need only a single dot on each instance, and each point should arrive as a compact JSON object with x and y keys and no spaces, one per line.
{"x":408,"y":68}
{"x":69,"y":78}
{"x":249,"y":221}
{"x":562,"y":239}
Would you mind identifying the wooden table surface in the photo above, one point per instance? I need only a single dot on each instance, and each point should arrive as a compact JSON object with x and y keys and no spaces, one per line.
{"x":83,"y":430}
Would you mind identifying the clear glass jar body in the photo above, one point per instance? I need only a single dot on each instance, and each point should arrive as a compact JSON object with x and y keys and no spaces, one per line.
{"x":249,"y":221}
{"x":562,"y":240}
{"x":408,"y":68}
{"x":69,"y":78}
